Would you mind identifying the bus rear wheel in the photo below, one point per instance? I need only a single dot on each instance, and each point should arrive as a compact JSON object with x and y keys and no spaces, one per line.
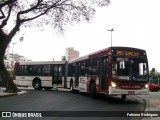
{"x":37,"y":85}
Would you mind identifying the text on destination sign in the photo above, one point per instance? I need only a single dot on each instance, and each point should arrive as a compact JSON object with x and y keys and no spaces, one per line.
{"x":127,"y":53}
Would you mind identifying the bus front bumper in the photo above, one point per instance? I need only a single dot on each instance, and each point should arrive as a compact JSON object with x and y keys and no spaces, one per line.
{"x":117,"y":91}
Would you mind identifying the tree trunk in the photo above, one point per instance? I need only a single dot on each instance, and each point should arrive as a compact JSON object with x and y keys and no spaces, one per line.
{"x":10,"y":86}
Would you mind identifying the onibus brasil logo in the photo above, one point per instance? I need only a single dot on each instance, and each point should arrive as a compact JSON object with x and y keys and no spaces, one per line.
{"x":21,"y":114}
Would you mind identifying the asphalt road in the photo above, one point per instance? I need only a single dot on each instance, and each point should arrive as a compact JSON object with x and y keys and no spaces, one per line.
{"x":65,"y":101}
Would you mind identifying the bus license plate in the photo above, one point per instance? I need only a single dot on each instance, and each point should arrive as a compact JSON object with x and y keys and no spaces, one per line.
{"x":131,"y":92}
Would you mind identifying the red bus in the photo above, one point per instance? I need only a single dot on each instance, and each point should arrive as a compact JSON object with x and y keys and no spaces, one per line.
{"x":113,"y":71}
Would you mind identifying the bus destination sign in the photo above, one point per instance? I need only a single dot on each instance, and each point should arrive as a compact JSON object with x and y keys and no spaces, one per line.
{"x":127,"y":53}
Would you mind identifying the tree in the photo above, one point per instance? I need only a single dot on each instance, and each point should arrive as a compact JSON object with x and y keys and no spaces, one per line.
{"x":155,"y":76}
{"x":57,"y":13}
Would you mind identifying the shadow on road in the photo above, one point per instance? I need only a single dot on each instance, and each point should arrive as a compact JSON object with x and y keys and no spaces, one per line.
{"x":115,"y":99}
{"x":102,"y":97}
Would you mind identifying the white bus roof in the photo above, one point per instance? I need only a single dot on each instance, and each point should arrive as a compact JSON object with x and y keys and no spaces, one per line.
{"x":79,"y":59}
{"x":41,"y":62}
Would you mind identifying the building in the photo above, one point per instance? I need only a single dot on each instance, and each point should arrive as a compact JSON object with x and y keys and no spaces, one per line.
{"x":71,"y":53}
{"x":7,"y":61}
{"x":7,"y":52}
{"x":18,"y":58}
{"x":10,"y":59}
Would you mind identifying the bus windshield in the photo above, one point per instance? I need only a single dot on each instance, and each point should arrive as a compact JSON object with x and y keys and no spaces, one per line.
{"x":130,"y":68}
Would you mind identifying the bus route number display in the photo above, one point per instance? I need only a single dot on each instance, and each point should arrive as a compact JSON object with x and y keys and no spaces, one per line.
{"x":127,"y":53}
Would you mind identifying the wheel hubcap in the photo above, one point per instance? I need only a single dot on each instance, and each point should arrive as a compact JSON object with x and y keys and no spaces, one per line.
{"x":36,"y":85}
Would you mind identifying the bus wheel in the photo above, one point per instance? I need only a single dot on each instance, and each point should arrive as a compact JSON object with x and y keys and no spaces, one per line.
{"x":123,"y":97}
{"x":93,"y":90}
{"x":37,"y":85}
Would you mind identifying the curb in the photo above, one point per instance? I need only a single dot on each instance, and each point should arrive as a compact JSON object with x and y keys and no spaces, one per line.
{"x":22,"y":92}
{"x":6,"y":94}
{"x":63,"y":89}
{"x":152,"y":104}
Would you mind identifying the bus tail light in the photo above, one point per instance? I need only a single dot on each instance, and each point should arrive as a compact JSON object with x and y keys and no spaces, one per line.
{"x":113,"y":84}
{"x":14,"y":70}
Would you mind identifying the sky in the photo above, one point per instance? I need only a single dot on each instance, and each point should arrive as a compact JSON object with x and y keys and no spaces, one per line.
{"x":136,"y":23}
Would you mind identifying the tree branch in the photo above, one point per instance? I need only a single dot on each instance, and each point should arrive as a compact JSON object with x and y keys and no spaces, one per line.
{"x":29,"y":19}
{"x":43,"y":13}
{"x":4,"y":22}
{"x":13,"y":31}
{"x":3,"y":16}
{"x":7,"y":3}
{"x":32,"y":8}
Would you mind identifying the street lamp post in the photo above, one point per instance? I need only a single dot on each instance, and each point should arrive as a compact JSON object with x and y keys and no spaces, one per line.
{"x":12,"y":61}
{"x":111,"y":35}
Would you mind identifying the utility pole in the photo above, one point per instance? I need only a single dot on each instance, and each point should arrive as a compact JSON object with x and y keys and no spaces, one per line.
{"x":111,"y":35}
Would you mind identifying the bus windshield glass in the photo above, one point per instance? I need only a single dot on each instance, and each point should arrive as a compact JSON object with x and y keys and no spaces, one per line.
{"x":130,"y":68}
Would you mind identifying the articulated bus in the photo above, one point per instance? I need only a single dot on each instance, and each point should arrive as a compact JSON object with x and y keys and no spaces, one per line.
{"x":39,"y":74}
{"x":113,"y":71}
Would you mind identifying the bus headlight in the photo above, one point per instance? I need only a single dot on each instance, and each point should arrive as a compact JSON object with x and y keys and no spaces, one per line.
{"x":146,"y":85}
{"x":113,"y":84}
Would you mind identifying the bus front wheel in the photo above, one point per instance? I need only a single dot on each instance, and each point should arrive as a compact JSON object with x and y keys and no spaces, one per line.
{"x":37,"y":85}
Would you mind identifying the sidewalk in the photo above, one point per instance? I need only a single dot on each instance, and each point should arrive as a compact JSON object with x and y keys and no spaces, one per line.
{"x":5,"y":94}
{"x":152,"y":104}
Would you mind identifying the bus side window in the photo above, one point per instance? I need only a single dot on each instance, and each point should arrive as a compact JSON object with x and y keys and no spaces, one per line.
{"x":27,"y":70}
{"x":88,"y":66}
{"x":46,"y":70}
{"x":72,"y":69}
{"x":19,"y":70}
{"x":95,"y":66}
{"x":83,"y":68}
{"x":69,"y":69}
{"x":36,"y":70}
{"x":39,"y":72}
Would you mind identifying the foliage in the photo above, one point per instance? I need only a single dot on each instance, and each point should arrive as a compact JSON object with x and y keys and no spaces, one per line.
{"x":56,"y":13}
{"x":155,"y":76}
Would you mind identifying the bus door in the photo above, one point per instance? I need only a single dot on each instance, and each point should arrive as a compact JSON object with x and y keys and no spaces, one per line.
{"x":77,"y":74}
{"x":104,"y":73}
{"x":57,"y":74}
